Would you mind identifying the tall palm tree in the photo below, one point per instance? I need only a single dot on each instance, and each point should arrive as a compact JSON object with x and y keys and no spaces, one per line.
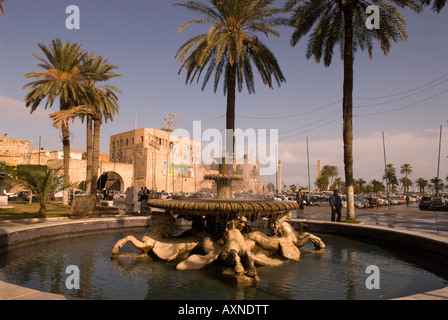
{"x":104,"y":102}
{"x":342,"y":23}
{"x":230,"y":48}
{"x":60,"y":80}
{"x":406,"y":169}
{"x":390,"y":176}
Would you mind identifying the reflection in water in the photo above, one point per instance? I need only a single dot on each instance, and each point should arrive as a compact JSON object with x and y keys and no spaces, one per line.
{"x":339,"y":272}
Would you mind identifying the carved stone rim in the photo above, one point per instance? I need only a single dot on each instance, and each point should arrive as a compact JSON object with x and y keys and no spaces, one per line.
{"x":217,"y":206}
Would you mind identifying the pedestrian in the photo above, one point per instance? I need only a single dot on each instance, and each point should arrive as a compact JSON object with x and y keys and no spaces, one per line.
{"x":299,"y":198}
{"x":336,"y":205}
{"x":143,"y":203}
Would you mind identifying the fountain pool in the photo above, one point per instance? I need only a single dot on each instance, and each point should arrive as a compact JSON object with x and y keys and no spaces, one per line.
{"x":338,"y":272}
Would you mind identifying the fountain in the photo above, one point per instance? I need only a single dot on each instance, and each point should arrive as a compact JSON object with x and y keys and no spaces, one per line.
{"x":221,"y":232}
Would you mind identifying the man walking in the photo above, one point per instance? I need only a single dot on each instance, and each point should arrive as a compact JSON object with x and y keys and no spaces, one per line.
{"x":336,"y":205}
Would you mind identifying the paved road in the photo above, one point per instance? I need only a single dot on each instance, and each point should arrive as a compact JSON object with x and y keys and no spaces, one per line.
{"x":396,"y":216}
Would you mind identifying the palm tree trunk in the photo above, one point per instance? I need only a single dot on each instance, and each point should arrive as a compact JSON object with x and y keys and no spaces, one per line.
{"x":230,"y":115}
{"x":347,"y":110}
{"x":95,"y":155}
{"x":226,"y":187}
{"x":66,"y":150}
{"x":89,"y":156}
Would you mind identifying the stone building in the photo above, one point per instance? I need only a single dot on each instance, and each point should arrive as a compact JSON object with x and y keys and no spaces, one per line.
{"x":14,"y":151}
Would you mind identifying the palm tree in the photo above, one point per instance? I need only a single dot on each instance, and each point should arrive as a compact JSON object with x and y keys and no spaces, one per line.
{"x":230,"y":48}
{"x":61,"y":79}
{"x":422,"y":183}
{"x":104,"y":102}
{"x":342,"y":23}
{"x":406,"y":182}
{"x":360,"y":183}
{"x":438,"y":184}
{"x":406,"y":169}
{"x":389,"y":176}
{"x":41,"y":181}
{"x":2,"y":8}
{"x":376,"y":186}
{"x":331,"y":172}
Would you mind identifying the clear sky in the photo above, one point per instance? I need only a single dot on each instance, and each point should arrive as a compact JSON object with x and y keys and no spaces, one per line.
{"x":403,"y":94}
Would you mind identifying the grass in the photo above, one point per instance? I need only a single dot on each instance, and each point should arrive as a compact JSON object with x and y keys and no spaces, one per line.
{"x":54,"y":210}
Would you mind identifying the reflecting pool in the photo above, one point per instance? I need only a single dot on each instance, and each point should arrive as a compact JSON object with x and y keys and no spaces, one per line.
{"x":337,"y":273}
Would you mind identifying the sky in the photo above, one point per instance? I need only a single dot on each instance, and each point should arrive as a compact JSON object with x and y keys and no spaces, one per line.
{"x":403,"y":95}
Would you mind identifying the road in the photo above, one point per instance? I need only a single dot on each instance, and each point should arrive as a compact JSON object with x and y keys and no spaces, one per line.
{"x":397,"y":216}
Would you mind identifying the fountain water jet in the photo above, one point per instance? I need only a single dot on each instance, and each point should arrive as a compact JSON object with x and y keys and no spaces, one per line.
{"x":221,"y":231}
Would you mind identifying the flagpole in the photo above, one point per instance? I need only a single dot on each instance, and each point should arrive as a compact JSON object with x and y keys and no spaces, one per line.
{"x":385,"y":171}
{"x":438,"y":165}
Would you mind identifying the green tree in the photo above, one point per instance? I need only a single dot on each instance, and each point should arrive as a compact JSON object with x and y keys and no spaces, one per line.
{"x":390,"y":176}
{"x":331,"y":172}
{"x":377,"y":186}
{"x":104,"y":102}
{"x":406,"y":169}
{"x":406,"y":182}
{"x":41,"y":181}
{"x":359,"y":185}
{"x":60,"y":80}
{"x":437,"y":184}
{"x":231,"y":48}
{"x":322,"y":183}
{"x":343,"y":23}
{"x":421,"y":183}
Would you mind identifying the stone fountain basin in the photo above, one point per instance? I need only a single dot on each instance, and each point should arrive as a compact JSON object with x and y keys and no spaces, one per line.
{"x":248,"y":208}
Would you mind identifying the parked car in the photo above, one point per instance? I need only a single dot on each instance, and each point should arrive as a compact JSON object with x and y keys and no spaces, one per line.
{"x":425,"y":203}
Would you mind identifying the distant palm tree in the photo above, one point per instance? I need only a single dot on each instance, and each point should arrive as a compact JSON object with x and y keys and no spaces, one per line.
{"x":421,"y":183}
{"x":376,"y":186}
{"x":60,"y":79}
{"x":437,"y":183}
{"x":230,"y":48}
{"x":360,"y":184}
{"x":389,"y":176}
{"x":343,"y":23}
{"x":406,"y":182}
{"x":406,"y":169}
{"x":331,"y":172}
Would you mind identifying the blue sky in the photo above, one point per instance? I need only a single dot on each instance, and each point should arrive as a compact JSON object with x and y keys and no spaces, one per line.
{"x":141,"y":38}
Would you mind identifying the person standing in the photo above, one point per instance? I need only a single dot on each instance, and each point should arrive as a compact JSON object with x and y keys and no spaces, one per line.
{"x":299,"y":198}
{"x":336,"y":205}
